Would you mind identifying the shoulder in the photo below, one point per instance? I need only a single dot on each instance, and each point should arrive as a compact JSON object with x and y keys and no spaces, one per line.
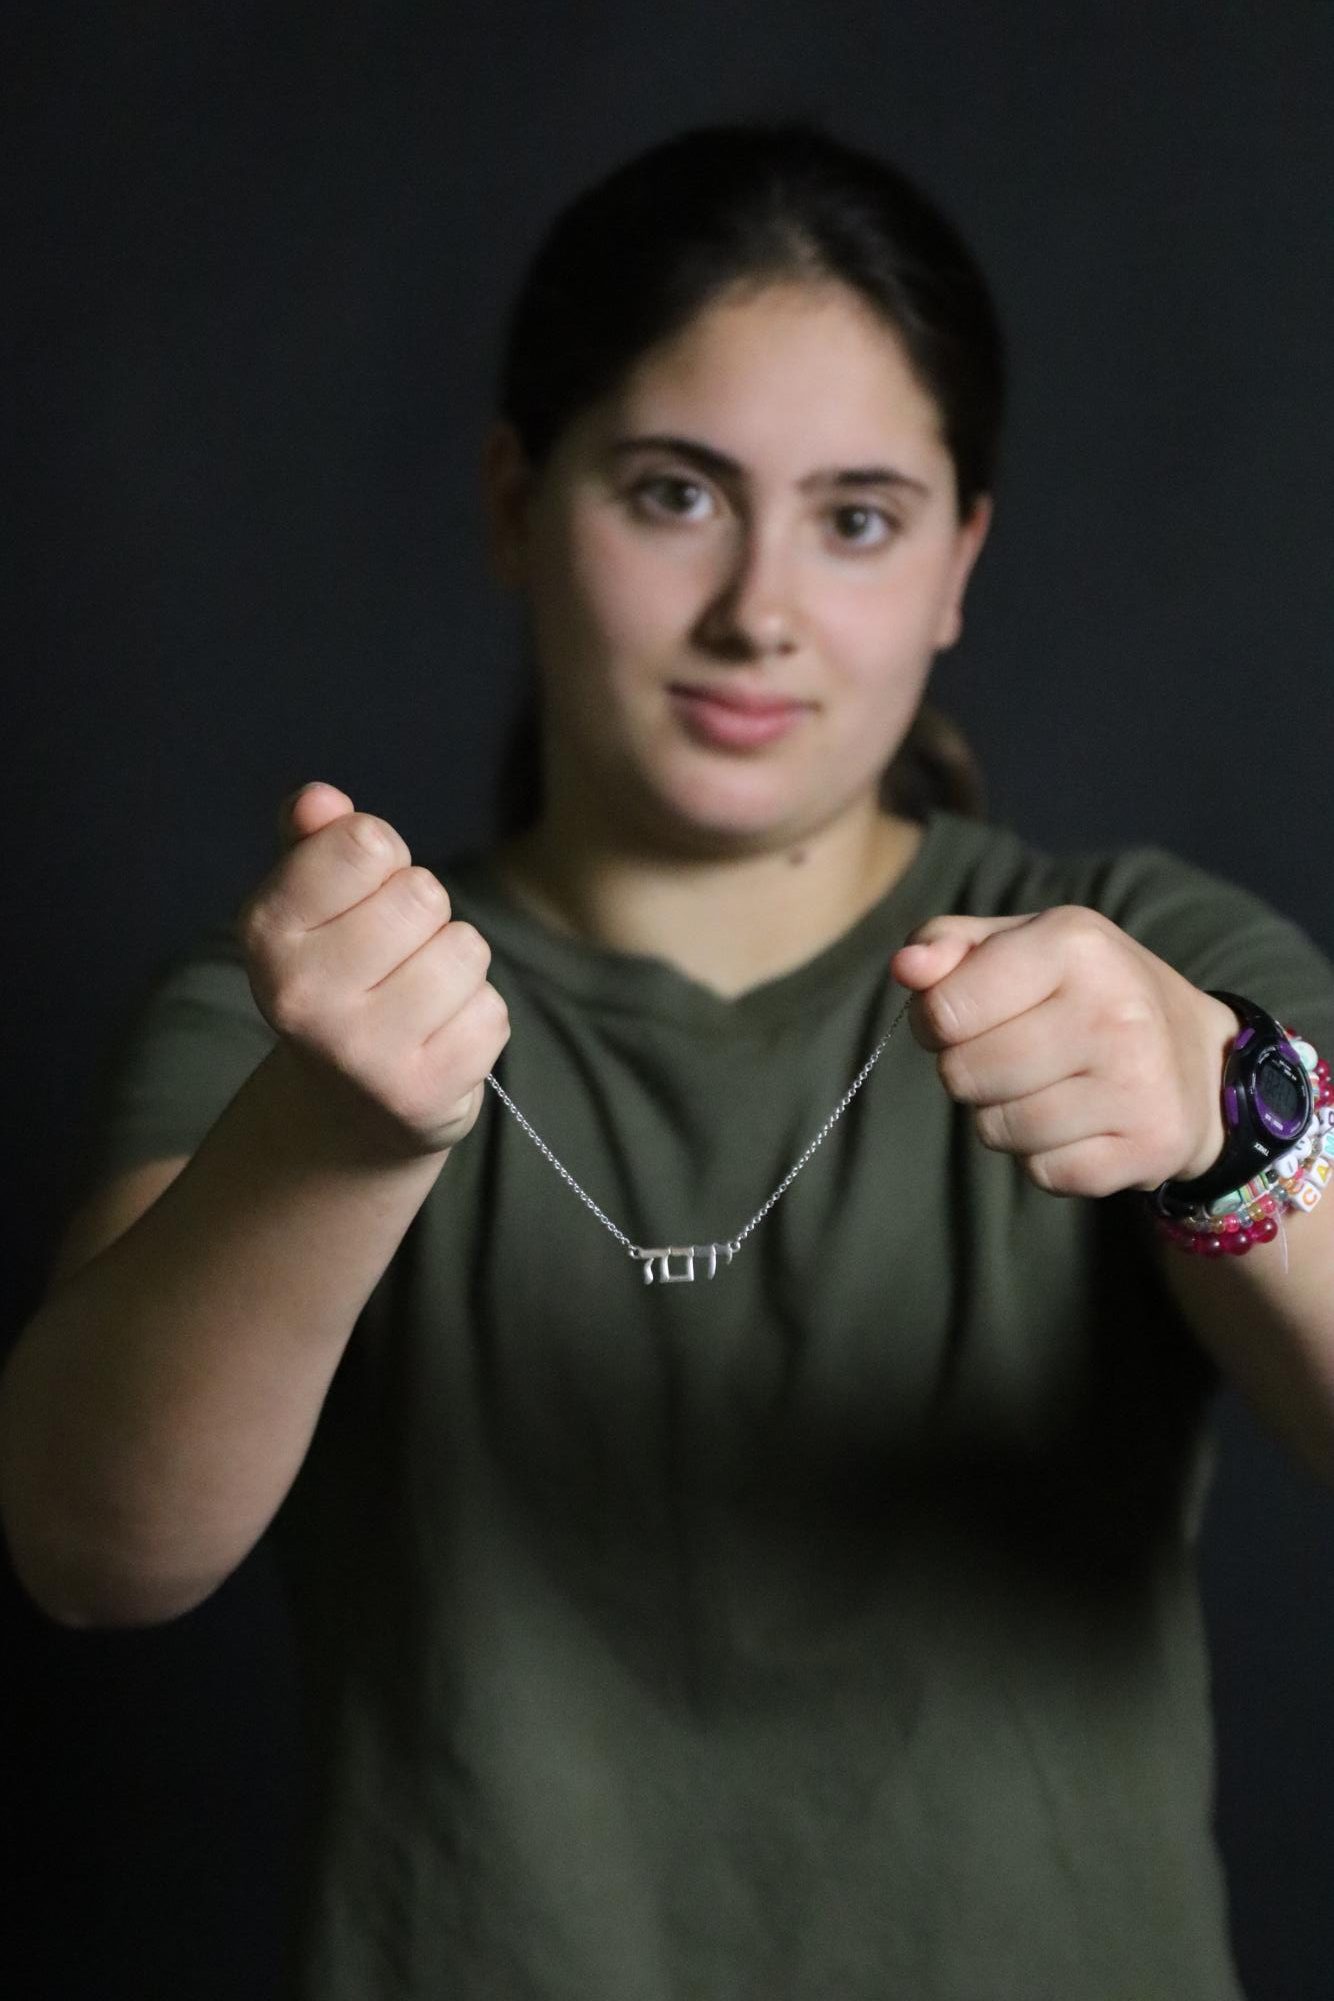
{"x":1141,"y":888}
{"x":174,"y":1054}
{"x":1215,"y":932}
{"x":198,"y":992}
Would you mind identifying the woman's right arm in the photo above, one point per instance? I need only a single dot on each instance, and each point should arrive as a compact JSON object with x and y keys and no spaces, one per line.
{"x":157,"y":1407}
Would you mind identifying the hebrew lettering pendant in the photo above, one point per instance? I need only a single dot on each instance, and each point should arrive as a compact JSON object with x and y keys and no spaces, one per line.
{"x":663,"y":1256}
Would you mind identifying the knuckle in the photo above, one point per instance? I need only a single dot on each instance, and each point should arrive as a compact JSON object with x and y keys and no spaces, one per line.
{"x":369,"y":835}
{"x":468,"y":944}
{"x":429,"y":1106}
{"x":940,"y":1014}
{"x":256,"y":921}
{"x":1099,"y":1177}
{"x":459,"y":1060}
{"x":952,"y":1066}
{"x":1129,"y":1014}
{"x":1083,"y":1171}
{"x":494,"y":1005}
{"x":990,"y":1126}
{"x":1075,"y":917}
{"x":423,"y":888}
{"x":292,"y":1004}
{"x":1083,"y":932}
{"x":483,"y":1029}
{"x":1043,"y":1172}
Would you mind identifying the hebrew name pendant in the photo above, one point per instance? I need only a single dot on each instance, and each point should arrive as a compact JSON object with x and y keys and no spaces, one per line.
{"x":662,"y":1258}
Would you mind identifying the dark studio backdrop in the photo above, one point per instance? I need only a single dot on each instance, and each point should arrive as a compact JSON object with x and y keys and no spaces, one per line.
{"x":262,"y":259}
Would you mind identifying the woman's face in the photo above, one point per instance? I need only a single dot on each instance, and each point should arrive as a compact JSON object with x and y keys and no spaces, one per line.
{"x":798,"y":541}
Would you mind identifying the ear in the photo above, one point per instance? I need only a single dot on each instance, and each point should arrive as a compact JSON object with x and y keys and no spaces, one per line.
{"x":971,"y":536}
{"x":506,"y":487}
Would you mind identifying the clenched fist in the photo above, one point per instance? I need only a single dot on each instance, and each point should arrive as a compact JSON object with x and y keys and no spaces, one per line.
{"x":354,"y":960}
{"x":1089,"y":1058}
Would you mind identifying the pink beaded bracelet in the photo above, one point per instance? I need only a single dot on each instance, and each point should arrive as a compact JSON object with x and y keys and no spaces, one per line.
{"x":1236,"y":1222}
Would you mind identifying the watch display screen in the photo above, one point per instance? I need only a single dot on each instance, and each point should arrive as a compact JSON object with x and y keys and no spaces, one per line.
{"x":1278,"y":1091}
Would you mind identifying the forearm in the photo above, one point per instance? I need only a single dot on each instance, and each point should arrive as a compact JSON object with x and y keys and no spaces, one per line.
{"x":1271,"y":1330}
{"x":156,"y":1409}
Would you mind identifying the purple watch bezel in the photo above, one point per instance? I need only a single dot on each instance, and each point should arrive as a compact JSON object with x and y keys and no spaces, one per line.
{"x":1281,"y":1129}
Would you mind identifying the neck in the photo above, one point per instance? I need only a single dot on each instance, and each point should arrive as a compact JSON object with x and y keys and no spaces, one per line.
{"x":730,"y":923}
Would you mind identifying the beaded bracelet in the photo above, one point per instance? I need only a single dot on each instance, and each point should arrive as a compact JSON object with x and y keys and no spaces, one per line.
{"x":1234,"y":1223}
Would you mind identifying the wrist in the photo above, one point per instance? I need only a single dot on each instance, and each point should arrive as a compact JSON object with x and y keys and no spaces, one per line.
{"x":1220,"y":1027}
{"x":1277,"y":1108}
{"x":318,"y":1117}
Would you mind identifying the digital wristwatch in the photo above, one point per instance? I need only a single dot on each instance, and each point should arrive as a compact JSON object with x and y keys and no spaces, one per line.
{"x":1268,"y":1102}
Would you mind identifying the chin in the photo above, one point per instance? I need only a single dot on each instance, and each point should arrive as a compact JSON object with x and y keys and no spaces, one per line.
{"x":737,"y":817}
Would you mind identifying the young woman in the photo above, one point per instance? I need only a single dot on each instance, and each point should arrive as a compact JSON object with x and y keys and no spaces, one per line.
{"x":713,"y":1578}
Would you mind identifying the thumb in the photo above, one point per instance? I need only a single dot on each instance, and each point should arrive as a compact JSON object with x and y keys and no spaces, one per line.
{"x":935,"y":948}
{"x":308,"y":809}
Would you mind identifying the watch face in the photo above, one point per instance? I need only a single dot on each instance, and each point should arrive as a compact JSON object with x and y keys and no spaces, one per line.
{"x":1281,"y":1095}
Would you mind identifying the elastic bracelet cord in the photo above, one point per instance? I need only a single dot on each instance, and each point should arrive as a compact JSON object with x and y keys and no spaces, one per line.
{"x":1235,"y":1223}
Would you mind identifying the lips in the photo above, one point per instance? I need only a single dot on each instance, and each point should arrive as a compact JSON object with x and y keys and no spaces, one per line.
{"x":738,"y":699}
{"x":735,"y":721}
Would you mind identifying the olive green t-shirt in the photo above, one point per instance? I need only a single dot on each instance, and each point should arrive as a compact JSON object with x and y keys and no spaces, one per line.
{"x":824,"y":1630}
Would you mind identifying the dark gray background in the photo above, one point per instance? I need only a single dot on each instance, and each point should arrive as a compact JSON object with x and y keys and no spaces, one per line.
{"x":261,"y":260}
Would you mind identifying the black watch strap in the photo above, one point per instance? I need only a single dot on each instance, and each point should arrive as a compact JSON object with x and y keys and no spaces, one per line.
{"x":1247,"y":1150}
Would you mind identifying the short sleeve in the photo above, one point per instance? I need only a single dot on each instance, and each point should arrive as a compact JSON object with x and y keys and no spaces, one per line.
{"x":190,"y":1043}
{"x":1216,"y":934}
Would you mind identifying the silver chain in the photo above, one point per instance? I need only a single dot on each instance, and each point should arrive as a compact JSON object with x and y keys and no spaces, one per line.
{"x":661,"y":1255}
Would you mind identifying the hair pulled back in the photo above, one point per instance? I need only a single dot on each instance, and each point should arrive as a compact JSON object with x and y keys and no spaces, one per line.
{"x":722,"y":208}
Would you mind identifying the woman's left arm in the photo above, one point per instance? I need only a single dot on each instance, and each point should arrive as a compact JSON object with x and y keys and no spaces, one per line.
{"x":1270,"y":1329}
{"x":1100,"y":1067}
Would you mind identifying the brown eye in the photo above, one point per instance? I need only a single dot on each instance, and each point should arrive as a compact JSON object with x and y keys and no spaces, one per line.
{"x":665,"y":483}
{"x":859,"y":514}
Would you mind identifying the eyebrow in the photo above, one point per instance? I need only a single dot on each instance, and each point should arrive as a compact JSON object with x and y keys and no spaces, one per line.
{"x":711,"y":460}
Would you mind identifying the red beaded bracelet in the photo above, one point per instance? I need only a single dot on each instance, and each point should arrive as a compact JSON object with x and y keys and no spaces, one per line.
{"x":1206,"y":1243}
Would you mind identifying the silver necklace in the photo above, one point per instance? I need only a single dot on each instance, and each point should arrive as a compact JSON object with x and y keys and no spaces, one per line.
{"x":657,"y":1262}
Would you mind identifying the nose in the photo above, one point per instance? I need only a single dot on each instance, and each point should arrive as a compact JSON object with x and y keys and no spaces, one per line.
{"x":754,"y":613}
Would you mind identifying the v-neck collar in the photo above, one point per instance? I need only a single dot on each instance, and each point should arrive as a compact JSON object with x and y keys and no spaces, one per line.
{"x":646,"y":984}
